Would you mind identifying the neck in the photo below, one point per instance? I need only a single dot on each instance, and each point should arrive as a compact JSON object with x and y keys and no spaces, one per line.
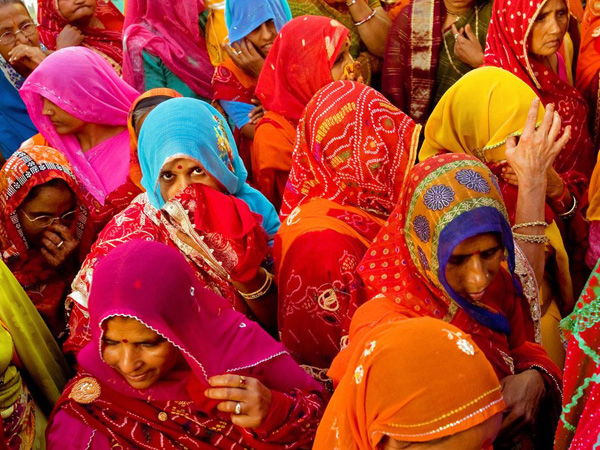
{"x":93,"y":134}
{"x":551,"y":62}
{"x":456,"y":10}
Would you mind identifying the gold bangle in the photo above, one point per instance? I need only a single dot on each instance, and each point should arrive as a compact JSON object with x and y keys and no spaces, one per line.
{"x":570,"y":212}
{"x":531,"y":238}
{"x":538,"y":223}
{"x":262,"y":290}
{"x":366,"y":19}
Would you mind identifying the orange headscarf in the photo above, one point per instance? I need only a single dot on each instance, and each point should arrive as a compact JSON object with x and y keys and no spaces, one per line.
{"x":390,"y":388}
{"x":135,"y":172}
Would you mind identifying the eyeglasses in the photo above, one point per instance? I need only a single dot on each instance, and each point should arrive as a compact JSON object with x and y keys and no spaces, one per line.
{"x":46,"y":221}
{"x":10,"y":37}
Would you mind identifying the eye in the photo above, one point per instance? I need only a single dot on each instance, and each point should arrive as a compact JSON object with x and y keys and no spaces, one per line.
{"x":109,"y":342}
{"x":491,"y":253}
{"x":149,"y":344}
{"x":198,"y":171}
{"x":457,"y":260}
{"x":167,"y":176}
{"x":540,"y":18}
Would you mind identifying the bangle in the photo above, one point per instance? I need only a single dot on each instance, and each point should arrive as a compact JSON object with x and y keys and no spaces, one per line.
{"x":262,"y":290}
{"x":570,"y":212}
{"x":366,"y":19}
{"x":351,"y":2}
{"x":538,"y":223}
{"x":531,"y":238}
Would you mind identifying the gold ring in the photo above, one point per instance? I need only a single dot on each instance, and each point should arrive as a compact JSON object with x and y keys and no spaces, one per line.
{"x":238,"y":409}
{"x":60,"y":243}
{"x":242,"y":381}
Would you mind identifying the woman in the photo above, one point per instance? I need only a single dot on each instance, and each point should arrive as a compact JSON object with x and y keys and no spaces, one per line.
{"x":138,"y":112}
{"x":33,"y":369}
{"x":531,"y":53}
{"x":579,"y":425}
{"x":252,"y":30}
{"x":97,"y":25}
{"x":338,"y":196}
{"x":44,"y":229}
{"x":499,"y":115}
{"x":388,"y":398}
{"x":197,"y":201}
{"x":164,"y":47}
{"x":447,"y":36}
{"x":309,"y":53}
{"x":441,"y":255}
{"x":85,"y":119}
{"x":367,"y":22}
{"x":180,"y":369}
{"x":20,"y":54}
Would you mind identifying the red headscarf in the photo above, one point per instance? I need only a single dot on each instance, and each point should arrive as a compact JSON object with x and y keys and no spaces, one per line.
{"x":354,"y":148}
{"x":299,"y":64}
{"x":108,"y":41}
{"x":508,"y":48}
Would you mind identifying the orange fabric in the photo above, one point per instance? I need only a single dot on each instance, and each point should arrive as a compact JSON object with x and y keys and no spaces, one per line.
{"x":135,"y":172}
{"x":274,"y":141}
{"x":408,"y":380}
{"x":576,"y":9}
{"x":397,"y":9}
{"x":588,"y":62}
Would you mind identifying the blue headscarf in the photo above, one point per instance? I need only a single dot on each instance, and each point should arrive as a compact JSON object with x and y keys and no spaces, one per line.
{"x":192,"y":128}
{"x":244,"y":16}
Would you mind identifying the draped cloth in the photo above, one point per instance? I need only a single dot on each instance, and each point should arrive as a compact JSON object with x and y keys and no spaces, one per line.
{"x":243,"y":17}
{"x":212,"y":338}
{"x":579,"y":424}
{"x":339,"y":193}
{"x":106,"y":40}
{"x":94,"y":94}
{"x":171,"y":34}
{"x":507,"y":48}
{"x":45,"y":285}
{"x":450,"y":198}
{"x":388,"y":389}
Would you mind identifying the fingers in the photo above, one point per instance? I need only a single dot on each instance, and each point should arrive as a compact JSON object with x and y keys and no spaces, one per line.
{"x":225,"y":380}
{"x":547,"y":121}
{"x":61,"y":231}
{"x":555,"y":128}
{"x":560,"y":144}
{"x":469,"y":32}
{"x":52,"y":260}
{"x":455,"y":30}
{"x":531,"y":117}
{"x":230,"y":52}
{"x":50,"y":239}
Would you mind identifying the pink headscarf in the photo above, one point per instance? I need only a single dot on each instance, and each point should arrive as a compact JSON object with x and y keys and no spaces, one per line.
{"x":171,"y":32}
{"x":154,"y":284}
{"x":82,"y":83}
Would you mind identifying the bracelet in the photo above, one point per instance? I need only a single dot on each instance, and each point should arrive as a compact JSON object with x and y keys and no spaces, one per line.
{"x":570,"y":213}
{"x":531,"y":238}
{"x":262,"y":290}
{"x":366,"y":19}
{"x":351,"y":2}
{"x":538,"y":223}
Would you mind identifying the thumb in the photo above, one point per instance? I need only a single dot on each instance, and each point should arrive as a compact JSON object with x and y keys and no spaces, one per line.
{"x":511,"y":147}
{"x":470,"y":33}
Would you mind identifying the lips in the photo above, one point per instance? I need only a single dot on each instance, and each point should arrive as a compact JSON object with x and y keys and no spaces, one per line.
{"x":137,"y":378}
{"x":477,"y":296}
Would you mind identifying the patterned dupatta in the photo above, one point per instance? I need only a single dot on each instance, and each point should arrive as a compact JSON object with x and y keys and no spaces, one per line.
{"x":507,"y":48}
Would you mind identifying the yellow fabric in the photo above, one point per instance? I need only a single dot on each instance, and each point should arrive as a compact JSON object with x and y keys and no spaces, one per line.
{"x":593,"y":212}
{"x":568,"y":53}
{"x":216,"y":31}
{"x":551,"y":340}
{"x":10,"y":388}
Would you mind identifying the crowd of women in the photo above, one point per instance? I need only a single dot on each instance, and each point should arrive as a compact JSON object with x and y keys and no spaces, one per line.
{"x":271,"y":224}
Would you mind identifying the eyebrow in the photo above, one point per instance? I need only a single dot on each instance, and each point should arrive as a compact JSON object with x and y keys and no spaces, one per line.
{"x":462,"y":255}
{"x":156,"y":340}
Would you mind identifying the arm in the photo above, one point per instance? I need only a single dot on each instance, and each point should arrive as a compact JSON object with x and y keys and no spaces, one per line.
{"x":373,"y":32}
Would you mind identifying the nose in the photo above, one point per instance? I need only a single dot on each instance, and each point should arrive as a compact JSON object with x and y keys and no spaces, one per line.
{"x":554,"y":26}
{"x":477,"y":277}
{"x":182,"y":182}
{"x":47,"y":109}
{"x":129,"y":361}
{"x":21,"y":38}
{"x":266,"y":31}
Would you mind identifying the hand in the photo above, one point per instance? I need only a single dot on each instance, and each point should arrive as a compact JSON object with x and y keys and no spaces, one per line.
{"x":523,"y":394}
{"x":70,"y":36}
{"x":352,"y":73}
{"x":246,"y":57}
{"x":257,"y":113}
{"x":467,"y":47}
{"x":26,"y":55}
{"x":253,"y":396}
{"x":532,"y":158}
{"x":58,"y":244}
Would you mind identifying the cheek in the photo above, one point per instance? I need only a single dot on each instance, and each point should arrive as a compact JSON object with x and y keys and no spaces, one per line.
{"x":162,"y":357}
{"x":454,"y":277}
{"x":111,"y":355}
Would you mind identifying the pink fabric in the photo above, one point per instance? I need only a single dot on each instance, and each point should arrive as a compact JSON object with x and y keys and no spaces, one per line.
{"x":562,"y":68}
{"x":170,"y":31}
{"x":94,"y":93}
{"x":213,"y":338}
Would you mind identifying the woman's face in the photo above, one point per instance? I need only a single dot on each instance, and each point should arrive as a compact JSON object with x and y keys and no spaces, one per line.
{"x":477,"y":438}
{"x":263,"y":37}
{"x":474,"y":264}
{"x":77,"y":11}
{"x":549,"y":28}
{"x":179,"y":173}
{"x":53,"y":201}
{"x":343,"y":59}
{"x":63,"y":122}
{"x":139,"y":354}
{"x":14,"y":17}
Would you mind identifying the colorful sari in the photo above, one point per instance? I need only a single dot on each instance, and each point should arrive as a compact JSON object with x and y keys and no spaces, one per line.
{"x":46,"y":286}
{"x":297,"y":66}
{"x":232,"y":242}
{"x":450,"y":198}
{"x":579,"y":424}
{"x":213,"y":339}
{"x":107,"y":40}
{"x":389,"y":390}
{"x":420,"y":65}
{"x":170,"y":34}
{"x":338,"y":196}
{"x":506,"y":48}
{"x":498,"y":115}
{"x":26,"y":348}
{"x":94,"y":94}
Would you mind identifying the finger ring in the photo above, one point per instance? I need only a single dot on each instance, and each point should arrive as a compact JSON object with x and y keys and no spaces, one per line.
{"x":237,"y":53}
{"x":60,"y":243}
{"x":242,"y":381}
{"x":238,"y":409}
{"x":456,"y":36}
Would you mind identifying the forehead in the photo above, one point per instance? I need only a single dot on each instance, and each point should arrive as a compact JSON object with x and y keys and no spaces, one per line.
{"x":183,"y":162}
{"x":479,"y":243}
{"x":553,"y":5}
{"x":14,"y":12}
{"x":127,"y":328}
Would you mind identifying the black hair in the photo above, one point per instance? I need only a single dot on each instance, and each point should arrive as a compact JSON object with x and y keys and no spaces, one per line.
{"x":145,"y":106}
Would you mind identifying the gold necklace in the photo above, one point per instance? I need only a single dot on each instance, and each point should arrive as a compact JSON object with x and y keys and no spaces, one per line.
{"x":446,"y":44}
